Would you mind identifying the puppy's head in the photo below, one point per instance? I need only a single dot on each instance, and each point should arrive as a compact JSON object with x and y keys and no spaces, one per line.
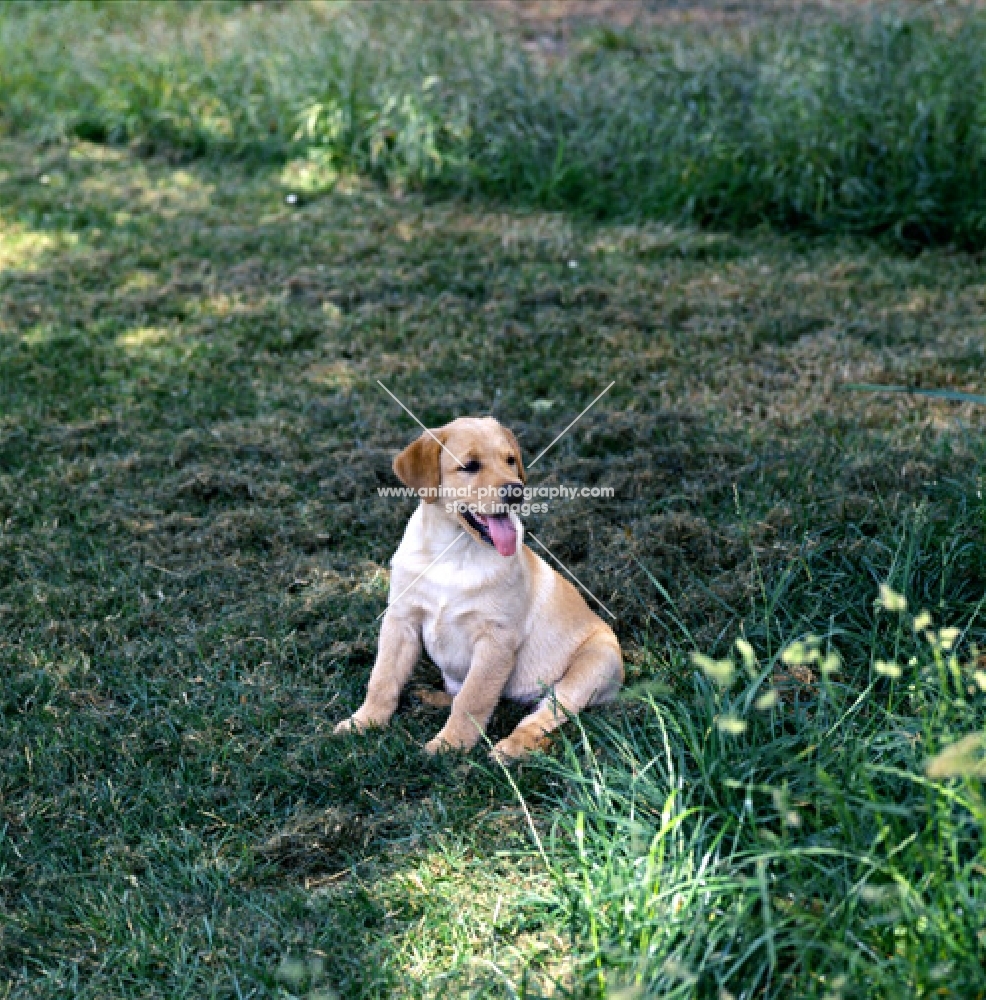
{"x":473,"y":469}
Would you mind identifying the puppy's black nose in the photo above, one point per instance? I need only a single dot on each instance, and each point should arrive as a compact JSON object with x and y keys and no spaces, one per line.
{"x":512,"y":493}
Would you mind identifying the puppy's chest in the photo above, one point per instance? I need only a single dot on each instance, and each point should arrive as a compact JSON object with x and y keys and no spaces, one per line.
{"x":448,"y":638}
{"x":457,"y":598}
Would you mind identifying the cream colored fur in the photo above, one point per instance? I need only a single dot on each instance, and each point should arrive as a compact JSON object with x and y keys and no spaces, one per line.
{"x":496,"y":626}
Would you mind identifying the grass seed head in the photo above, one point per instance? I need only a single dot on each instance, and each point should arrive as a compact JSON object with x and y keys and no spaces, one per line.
{"x":747,"y":653}
{"x":795,"y":654}
{"x":922,"y":621}
{"x":722,"y":672}
{"x":890,"y":600}
{"x":731,"y":725}
{"x":963,"y":759}
{"x":767,"y":700}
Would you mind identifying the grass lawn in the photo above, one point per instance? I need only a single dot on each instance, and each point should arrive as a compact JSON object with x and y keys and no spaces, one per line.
{"x":193,"y":557}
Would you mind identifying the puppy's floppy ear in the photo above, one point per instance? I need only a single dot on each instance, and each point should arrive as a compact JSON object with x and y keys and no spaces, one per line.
{"x":418,"y":465}
{"x":520,"y":460}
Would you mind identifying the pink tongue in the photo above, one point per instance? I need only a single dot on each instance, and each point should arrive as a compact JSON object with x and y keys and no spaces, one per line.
{"x":504,"y":535}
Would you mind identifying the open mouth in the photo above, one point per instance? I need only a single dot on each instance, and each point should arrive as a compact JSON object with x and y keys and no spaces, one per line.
{"x":499,"y":531}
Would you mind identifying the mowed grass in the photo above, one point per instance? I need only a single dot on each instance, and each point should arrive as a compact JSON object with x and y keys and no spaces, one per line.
{"x":193,"y":557}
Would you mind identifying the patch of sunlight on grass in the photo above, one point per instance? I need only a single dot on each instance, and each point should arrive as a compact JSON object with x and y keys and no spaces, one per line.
{"x":543,"y":231}
{"x":332,"y":375}
{"x":139,"y":281}
{"x":135,"y":341}
{"x":312,"y":175}
{"x":38,"y":336}
{"x":221,"y":305}
{"x":165,"y":195}
{"x":481,"y":910}
{"x":654,"y":239}
{"x":94,"y":152}
{"x":24,"y":249}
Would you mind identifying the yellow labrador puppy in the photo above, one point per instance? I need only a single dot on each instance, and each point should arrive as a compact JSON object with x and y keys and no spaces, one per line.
{"x":494,"y":617}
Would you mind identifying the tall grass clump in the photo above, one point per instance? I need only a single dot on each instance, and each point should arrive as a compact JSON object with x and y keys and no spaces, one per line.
{"x":803,"y":823}
{"x":354,"y":89}
{"x":868,"y":126}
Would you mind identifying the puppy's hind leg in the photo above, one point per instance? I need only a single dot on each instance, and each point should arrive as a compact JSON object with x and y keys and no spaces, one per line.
{"x":431,"y":698}
{"x":594,"y":677}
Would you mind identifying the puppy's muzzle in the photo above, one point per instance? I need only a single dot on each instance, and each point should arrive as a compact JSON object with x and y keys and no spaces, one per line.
{"x":512,"y":495}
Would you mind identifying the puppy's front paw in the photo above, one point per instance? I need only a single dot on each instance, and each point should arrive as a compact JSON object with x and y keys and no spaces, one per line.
{"x":358,"y":723}
{"x":502,"y":755}
{"x":350,"y":725}
{"x":517,"y":746}
{"x":452,"y":739}
{"x":436,"y":745}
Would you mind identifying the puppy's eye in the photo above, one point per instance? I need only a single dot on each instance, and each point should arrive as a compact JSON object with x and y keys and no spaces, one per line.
{"x":471,"y":466}
{"x":511,"y":460}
